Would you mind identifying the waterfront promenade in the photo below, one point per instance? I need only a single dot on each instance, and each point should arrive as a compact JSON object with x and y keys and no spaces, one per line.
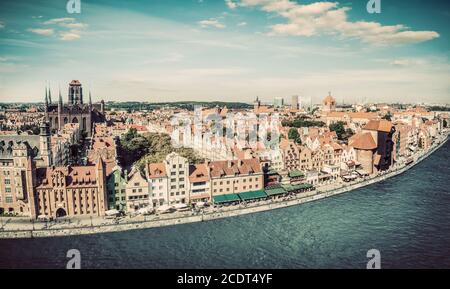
{"x":15,"y":227}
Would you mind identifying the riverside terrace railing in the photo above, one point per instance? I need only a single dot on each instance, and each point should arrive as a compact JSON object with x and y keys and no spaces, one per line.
{"x":292,"y":198}
{"x":223,"y":209}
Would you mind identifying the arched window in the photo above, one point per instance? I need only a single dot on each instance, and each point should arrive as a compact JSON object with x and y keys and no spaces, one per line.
{"x":84,"y":124}
{"x":75,"y":120}
{"x":65,"y":120}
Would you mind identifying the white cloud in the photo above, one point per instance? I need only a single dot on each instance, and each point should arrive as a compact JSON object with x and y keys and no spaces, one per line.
{"x":70,"y":35}
{"x":405,"y":62}
{"x":2,"y":24}
{"x":242,"y":24}
{"x":328,"y":18}
{"x":73,"y":27}
{"x":59,"y":20}
{"x":231,"y":4}
{"x":212,"y":22}
{"x":45,"y":32}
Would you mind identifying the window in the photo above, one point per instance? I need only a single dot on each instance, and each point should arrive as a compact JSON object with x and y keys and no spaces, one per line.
{"x":181,"y":179}
{"x":181,"y":186}
{"x":136,"y":184}
{"x":180,"y":166}
{"x":173,"y":173}
{"x":7,"y":190}
{"x":181,"y":172}
{"x":174,"y":166}
{"x":9,"y":199}
{"x":7,"y":181}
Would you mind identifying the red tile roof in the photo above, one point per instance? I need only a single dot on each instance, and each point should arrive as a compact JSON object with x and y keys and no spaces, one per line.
{"x":363,"y":141}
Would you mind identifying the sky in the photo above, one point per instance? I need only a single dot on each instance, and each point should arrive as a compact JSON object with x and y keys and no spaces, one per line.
{"x":227,"y":50}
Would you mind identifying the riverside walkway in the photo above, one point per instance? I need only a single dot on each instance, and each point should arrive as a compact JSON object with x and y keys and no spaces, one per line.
{"x":17,"y":227}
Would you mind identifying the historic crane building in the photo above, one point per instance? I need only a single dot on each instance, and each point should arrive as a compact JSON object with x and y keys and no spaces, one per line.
{"x":74,"y":111}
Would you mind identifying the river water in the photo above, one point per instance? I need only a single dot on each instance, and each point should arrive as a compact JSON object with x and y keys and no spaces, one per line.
{"x":406,"y":218}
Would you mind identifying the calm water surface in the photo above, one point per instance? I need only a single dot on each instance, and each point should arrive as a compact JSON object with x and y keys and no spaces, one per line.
{"x":407,"y":218}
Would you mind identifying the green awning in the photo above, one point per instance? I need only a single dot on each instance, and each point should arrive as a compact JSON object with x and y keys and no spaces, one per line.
{"x":226,"y":198}
{"x":291,"y":188}
{"x":252,"y":195}
{"x":296,"y":174}
{"x":275,"y":191}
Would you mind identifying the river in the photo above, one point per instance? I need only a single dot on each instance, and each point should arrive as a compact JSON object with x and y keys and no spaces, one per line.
{"x":407,"y":218}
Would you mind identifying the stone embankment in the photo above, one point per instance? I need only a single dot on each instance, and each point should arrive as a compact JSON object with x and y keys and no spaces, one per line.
{"x":226,"y":212}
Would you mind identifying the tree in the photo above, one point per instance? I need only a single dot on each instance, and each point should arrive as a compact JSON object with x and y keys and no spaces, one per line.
{"x":338,"y":127}
{"x":294,"y":135}
{"x":302,"y":121}
{"x":387,"y":116}
{"x":341,"y":132}
{"x":132,"y":147}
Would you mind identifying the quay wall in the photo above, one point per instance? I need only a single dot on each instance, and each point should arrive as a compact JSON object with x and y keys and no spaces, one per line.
{"x":275,"y":204}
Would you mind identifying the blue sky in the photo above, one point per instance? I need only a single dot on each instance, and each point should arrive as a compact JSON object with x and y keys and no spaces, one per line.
{"x":228,"y":50}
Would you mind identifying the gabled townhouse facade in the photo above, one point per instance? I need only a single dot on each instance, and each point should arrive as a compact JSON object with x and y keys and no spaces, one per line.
{"x":137,"y":192}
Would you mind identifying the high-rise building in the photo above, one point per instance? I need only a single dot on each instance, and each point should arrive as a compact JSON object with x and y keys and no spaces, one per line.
{"x":278,"y":102}
{"x":296,"y":102}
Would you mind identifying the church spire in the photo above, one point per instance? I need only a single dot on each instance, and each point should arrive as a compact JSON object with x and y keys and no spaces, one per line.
{"x":49,"y":94}
{"x":90,"y":98}
{"x":60,"y":97}
{"x":60,"y":101}
{"x":46,"y":97}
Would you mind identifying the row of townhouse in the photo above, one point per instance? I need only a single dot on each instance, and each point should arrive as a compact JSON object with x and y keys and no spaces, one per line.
{"x":328,"y":157}
{"x":176,"y":181}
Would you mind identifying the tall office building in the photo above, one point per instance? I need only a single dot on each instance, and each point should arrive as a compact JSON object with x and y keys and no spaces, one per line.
{"x":278,"y":102}
{"x":296,"y":102}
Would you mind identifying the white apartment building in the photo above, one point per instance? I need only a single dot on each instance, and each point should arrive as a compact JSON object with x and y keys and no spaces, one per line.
{"x":177,"y":169}
{"x":157,"y":184}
